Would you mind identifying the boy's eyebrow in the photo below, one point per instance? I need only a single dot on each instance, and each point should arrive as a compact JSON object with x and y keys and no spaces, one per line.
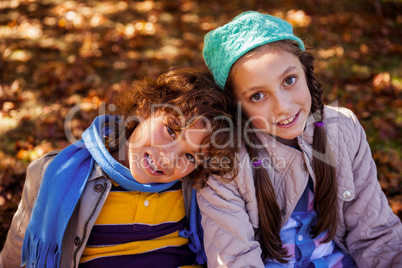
{"x":197,"y":149}
{"x":198,"y":146}
{"x":288,"y":70}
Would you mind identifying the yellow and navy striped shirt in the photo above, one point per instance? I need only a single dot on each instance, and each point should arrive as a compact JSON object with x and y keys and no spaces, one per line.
{"x":137,"y":229}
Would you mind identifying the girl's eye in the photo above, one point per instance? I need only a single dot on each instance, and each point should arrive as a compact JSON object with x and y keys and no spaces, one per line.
{"x":171,"y":132}
{"x":191,"y":158}
{"x":290,"y":80}
{"x":257,"y":97}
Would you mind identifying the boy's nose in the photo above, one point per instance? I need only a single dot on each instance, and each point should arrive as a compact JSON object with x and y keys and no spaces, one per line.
{"x":166,"y":159}
{"x":170,"y":154}
{"x":174,"y":153}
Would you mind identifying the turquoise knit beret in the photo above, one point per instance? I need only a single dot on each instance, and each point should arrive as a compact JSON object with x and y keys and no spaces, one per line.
{"x":226,"y":44}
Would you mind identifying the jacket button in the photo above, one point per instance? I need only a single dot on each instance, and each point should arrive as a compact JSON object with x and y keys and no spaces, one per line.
{"x":304,"y":167}
{"x":98,"y":188}
{"x":283,"y":212}
{"x":77,"y":241}
{"x":347,"y":194}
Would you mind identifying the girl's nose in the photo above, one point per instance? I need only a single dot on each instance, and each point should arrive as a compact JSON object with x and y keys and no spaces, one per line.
{"x":282,"y":104}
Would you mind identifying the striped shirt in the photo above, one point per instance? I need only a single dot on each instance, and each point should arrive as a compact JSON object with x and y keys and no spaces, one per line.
{"x":304,"y":250}
{"x":136,"y":229}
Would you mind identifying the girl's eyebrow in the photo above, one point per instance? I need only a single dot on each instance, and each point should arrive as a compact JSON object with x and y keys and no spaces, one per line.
{"x":249,"y":90}
{"x":288,"y":70}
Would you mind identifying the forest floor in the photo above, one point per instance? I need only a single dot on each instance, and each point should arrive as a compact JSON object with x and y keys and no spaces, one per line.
{"x":63,"y":59}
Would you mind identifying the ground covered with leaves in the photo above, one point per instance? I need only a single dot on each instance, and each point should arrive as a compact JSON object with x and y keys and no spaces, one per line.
{"x":69,"y":59}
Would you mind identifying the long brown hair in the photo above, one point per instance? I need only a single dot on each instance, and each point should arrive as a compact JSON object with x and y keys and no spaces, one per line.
{"x":190,"y":93}
{"x":324,"y":170}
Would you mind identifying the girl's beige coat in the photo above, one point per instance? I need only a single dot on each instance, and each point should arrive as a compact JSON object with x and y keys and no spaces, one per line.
{"x":367,"y":228}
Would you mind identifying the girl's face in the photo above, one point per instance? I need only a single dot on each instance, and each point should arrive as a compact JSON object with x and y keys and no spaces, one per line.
{"x":271,"y":86}
{"x":157,"y":154}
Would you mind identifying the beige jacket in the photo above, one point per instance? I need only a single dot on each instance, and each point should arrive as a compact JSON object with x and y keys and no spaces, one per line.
{"x":368,"y":230}
{"x":81,"y":222}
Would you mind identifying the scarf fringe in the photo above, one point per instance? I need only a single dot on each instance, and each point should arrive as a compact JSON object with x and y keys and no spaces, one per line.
{"x":38,"y":253}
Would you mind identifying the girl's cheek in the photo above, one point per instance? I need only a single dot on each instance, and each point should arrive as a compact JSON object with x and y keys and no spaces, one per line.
{"x":262,"y":125}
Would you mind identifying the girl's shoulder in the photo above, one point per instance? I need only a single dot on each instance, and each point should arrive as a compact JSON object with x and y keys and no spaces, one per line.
{"x":339,"y":113}
{"x":240,"y":183}
{"x":343,"y":121}
{"x":340,"y":124}
{"x":344,"y":131}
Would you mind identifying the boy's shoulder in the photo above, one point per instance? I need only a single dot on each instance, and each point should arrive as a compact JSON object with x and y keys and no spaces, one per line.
{"x":51,"y":153}
{"x":41,"y":163}
{"x":46,"y":157}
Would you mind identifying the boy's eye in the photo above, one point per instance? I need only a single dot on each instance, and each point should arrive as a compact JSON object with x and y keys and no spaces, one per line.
{"x":257,"y":97}
{"x":191,"y":158}
{"x":290,"y":80}
{"x":171,"y":132}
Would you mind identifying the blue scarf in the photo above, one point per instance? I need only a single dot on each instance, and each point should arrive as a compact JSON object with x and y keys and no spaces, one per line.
{"x":63,"y":183}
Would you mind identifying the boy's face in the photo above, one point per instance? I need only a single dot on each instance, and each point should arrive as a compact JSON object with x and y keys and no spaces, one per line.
{"x":157,"y":154}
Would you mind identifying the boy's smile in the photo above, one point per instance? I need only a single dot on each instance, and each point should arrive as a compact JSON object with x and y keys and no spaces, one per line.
{"x":150,"y":165}
{"x":157,"y":154}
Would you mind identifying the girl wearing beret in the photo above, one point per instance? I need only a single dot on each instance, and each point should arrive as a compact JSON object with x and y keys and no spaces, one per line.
{"x":307,"y":193}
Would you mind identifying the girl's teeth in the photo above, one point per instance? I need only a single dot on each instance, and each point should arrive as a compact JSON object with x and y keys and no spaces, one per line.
{"x":152,"y":164}
{"x":287,"y":121}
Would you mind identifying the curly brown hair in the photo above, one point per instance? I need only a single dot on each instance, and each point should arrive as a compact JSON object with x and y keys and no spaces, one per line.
{"x":190,"y":93}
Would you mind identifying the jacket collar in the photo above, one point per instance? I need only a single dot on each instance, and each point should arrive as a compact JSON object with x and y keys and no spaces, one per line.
{"x":97,"y":173}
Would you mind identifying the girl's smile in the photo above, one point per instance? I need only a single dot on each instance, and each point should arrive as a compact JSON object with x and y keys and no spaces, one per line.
{"x":288,"y":122}
{"x":270,"y":83}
